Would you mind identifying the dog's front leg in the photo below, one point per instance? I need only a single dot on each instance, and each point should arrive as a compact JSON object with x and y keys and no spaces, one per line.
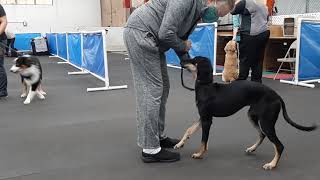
{"x":24,"y":90}
{"x":30,"y":96}
{"x":192,"y":129}
{"x":206,"y":124}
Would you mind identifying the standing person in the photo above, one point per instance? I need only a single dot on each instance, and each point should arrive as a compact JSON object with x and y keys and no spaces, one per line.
{"x":254,"y":34}
{"x":10,"y":41}
{"x":3,"y":75}
{"x":151,"y":30}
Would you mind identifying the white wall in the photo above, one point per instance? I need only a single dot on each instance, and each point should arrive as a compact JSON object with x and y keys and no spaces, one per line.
{"x":64,"y":15}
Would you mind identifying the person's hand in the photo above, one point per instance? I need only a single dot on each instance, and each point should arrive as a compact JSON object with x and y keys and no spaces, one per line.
{"x":188,"y":45}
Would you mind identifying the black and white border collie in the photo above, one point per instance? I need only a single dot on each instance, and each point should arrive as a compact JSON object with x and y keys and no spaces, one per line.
{"x":30,"y":70}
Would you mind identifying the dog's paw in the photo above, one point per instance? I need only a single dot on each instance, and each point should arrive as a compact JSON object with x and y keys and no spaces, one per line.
{"x":250,"y":150}
{"x":42,"y":97}
{"x":197,"y":156}
{"x":179,"y":146}
{"x":223,"y":78}
{"x":23,"y":95}
{"x":43,"y":93}
{"x":27,"y":102}
{"x":269,"y":166}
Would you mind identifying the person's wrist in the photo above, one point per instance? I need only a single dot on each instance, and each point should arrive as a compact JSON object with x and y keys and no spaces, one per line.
{"x":185,"y":46}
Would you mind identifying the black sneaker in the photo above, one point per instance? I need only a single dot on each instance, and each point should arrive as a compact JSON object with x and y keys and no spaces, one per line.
{"x":162,"y":156}
{"x":4,"y":96}
{"x":169,"y":142}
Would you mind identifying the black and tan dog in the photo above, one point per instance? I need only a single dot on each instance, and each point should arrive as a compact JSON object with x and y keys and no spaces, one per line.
{"x":222,"y":100}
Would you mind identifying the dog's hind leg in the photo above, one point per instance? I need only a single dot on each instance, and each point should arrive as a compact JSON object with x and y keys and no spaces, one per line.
{"x":191,"y":130}
{"x":255,"y":122}
{"x":267,"y":126}
{"x":206,"y":125}
{"x":40,"y":89}
{"x":278,"y":148}
{"x":40,"y":95}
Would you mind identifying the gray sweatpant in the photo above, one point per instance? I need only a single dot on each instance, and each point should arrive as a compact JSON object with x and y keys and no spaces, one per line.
{"x":3,"y":74}
{"x":151,"y":83}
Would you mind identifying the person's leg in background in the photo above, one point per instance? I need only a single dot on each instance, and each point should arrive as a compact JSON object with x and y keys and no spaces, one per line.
{"x":12,"y":43}
{"x":257,"y":61}
{"x":244,"y":56}
{"x":8,"y":45}
{"x":151,"y":94}
{"x":3,"y":75}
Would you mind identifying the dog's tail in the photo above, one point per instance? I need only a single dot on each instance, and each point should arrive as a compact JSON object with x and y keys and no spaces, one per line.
{"x":287,"y":118}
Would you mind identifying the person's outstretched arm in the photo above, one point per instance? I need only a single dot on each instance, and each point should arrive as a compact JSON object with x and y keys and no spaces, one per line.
{"x":176,"y":12}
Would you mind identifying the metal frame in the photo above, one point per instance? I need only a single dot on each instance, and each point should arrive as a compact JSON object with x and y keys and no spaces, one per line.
{"x":85,"y":71}
{"x":82,"y":71}
{"x":66,"y":61}
{"x":296,"y":78}
{"x":55,"y":55}
{"x":106,"y":70}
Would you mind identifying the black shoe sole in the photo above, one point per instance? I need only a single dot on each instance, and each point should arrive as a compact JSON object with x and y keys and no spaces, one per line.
{"x":153,"y":160}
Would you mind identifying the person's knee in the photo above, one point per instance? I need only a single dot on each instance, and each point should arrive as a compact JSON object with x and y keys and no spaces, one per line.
{"x":156,"y":92}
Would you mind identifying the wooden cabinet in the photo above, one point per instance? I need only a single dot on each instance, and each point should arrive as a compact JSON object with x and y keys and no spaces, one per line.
{"x":113,"y":13}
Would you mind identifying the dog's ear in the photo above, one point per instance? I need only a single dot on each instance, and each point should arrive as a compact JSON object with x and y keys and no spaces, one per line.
{"x":27,"y":61}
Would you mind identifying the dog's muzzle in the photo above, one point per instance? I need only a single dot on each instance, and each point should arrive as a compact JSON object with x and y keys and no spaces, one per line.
{"x":190,"y":65}
{"x":14,"y":69}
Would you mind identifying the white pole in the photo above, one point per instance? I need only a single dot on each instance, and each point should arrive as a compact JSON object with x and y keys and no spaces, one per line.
{"x":82,"y":50}
{"x":106,"y":69}
{"x":57,"y":45}
{"x":298,"y":83}
{"x":296,"y":78}
{"x":215,"y":25}
{"x":67,"y":43}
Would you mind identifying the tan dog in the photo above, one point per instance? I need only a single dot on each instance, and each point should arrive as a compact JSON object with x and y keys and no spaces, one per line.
{"x":231,"y":71}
